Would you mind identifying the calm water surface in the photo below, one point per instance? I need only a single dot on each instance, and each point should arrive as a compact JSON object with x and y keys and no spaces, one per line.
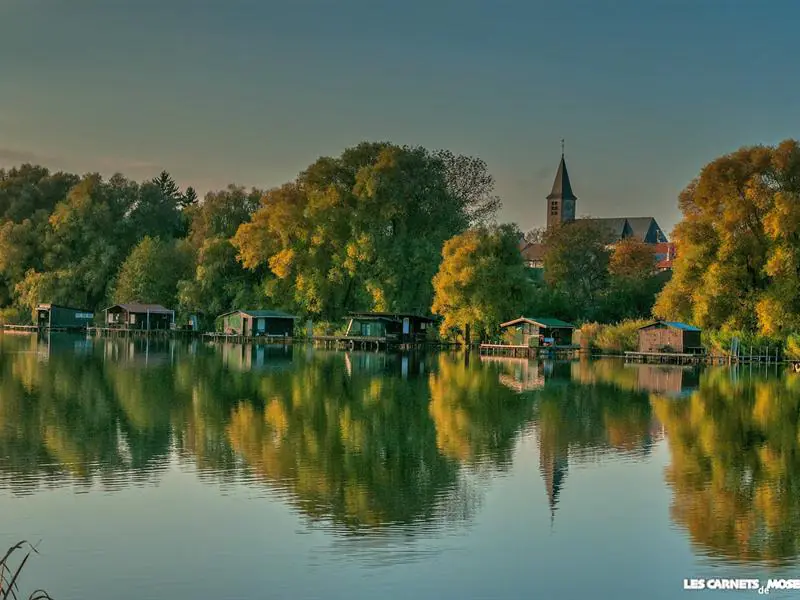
{"x":175,"y":470}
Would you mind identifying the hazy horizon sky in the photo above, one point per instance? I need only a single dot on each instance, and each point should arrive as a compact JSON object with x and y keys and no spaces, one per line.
{"x":251,"y":92}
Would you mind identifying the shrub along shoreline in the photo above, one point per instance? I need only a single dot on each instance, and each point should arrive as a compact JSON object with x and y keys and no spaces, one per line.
{"x":618,"y":338}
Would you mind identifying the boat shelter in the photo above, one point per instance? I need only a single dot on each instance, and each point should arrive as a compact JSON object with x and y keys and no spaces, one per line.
{"x":257,"y":323}
{"x":538,"y":331}
{"x":400,"y":327}
{"x":146,"y":317}
{"x":670,"y":336}
{"x":53,"y":316}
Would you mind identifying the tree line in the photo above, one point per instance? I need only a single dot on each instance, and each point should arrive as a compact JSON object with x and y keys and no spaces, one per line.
{"x":362,"y":231}
{"x":384,"y":227}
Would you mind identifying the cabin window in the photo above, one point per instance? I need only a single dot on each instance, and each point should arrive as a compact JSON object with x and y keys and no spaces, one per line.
{"x":422,"y":326}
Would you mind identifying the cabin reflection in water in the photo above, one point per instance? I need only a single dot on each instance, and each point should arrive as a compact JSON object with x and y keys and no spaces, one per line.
{"x":139,"y":352}
{"x":46,"y":344}
{"x":673,"y":380}
{"x":407,"y":364}
{"x":518,"y":374}
{"x":525,"y":375}
{"x":255,"y":357}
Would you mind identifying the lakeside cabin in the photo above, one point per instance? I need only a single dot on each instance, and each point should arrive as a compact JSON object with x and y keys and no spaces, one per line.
{"x":53,"y":316}
{"x":670,"y":337}
{"x":257,"y":323}
{"x":393,"y":327}
{"x":537,"y":331}
{"x":144,"y":317}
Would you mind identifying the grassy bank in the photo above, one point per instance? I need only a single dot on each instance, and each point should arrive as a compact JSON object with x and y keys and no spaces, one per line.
{"x":618,"y":338}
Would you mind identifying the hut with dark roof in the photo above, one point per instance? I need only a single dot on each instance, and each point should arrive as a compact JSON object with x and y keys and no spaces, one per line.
{"x":136,"y":315}
{"x":392,"y":327}
{"x":257,"y":323}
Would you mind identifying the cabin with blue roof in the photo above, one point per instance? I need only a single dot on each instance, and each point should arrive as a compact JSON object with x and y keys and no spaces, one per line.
{"x":670,"y":336}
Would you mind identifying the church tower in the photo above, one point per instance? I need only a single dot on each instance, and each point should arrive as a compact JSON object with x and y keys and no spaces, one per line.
{"x":561,"y":201}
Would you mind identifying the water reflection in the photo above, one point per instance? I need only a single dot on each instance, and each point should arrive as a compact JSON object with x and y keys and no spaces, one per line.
{"x":735,"y":465}
{"x":381,"y":445}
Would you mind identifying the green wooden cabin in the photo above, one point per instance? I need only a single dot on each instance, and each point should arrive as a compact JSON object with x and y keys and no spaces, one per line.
{"x":257,"y":323}
{"x":53,"y":316}
{"x":396,"y":327}
{"x":538,"y":331}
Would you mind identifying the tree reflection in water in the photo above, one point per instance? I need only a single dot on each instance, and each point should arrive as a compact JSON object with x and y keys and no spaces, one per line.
{"x":373,"y":443}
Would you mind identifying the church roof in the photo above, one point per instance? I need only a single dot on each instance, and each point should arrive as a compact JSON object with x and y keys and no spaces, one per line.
{"x":644,"y":229}
{"x":562,"y":188}
{"x":615,"y":226}
{"x":641,"y":226}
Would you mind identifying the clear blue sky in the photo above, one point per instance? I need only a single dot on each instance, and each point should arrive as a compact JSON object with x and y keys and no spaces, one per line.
{"x":252,"y":91}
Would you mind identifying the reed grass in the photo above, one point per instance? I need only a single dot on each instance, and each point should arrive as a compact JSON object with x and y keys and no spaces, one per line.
{"x":9,"y":575}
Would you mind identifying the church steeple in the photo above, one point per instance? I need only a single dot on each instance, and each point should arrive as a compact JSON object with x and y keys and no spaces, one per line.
{"x":561,"y":201}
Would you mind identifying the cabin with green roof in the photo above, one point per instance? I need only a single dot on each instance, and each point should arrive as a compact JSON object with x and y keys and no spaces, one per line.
{"x":537,"y":331}
{"x":257,"y":323}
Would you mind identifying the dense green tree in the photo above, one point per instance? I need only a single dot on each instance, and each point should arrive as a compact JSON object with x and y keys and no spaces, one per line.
{"x":364,"y":230}
{"x":189,"y":198}
{"x":152,"y":271}
{"x":576,"y":262}
{"x":219,"y":281}
{"x":155,"y":212}
{"x":482,"y":281}
{"x":83,"y":245}
{"x":221,"y":213}
{"x":28,"y":189}
{"x":167,"y":186}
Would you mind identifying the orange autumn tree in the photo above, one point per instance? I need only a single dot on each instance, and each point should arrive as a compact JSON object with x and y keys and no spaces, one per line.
{"x":739,"y":244}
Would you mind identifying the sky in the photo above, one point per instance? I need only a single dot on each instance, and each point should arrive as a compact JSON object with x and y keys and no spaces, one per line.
{"x":644,"y":92}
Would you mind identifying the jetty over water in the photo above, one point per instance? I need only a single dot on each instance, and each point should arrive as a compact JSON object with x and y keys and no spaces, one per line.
{"x":514,"y":351}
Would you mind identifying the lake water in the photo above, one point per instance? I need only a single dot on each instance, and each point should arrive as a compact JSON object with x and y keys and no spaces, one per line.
{"x":176,"y":470}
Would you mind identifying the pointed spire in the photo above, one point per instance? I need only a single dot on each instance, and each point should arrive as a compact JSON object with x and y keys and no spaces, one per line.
{"x":553,"y":466}
{"x":562,"y":188}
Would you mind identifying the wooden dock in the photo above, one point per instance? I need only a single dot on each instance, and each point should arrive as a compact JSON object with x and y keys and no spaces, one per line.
{"x":529,"y":351}
{"x":769,"y":358}
{"x":353,"y":342}
{"x":667,"y":358}
{"x":141,"y":333}
{"x":235,"y":338}
{"x":356,"y":342}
